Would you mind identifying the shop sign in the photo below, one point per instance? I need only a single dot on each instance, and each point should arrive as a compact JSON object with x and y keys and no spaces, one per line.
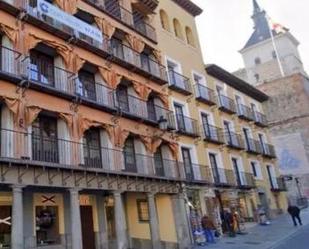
{"x":209,"y":193}
{"x":45,"y":8}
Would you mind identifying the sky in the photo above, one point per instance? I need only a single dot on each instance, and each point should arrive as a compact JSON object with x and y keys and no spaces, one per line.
{"x":226,"y":25}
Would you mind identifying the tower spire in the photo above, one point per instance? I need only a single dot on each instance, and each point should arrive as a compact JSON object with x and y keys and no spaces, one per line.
{"x":256,"y":7}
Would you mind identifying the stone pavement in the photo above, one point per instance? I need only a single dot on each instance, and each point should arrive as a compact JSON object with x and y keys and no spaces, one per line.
{"x":262,"y":237}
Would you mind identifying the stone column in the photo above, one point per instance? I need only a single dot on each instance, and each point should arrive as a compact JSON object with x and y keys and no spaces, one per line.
{"x":17,"y":233}
{"x":102,"y":236}
{"x":181,"y":221}
{"x":120,"y":222}
{"x":76,"y":226}
{"x":153,"y":222}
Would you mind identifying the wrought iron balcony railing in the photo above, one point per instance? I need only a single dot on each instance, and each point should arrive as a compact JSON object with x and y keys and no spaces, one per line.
{"x":205,"y":94}
{"x":245,"y":112}
{"x":186,"y":125}
{"x":277,"y":184}
{"x":54,"y":151}
{"x":226,"y":104}
{"x":260,"y":119}
{"x":123,"y":15}
{"x":195,"y":172}
{"x":179,"y":82}
{"x":10,"y":61}
{"x":268,"y":150}
{"x":108,"y":46}
{"x":223,"y":177}
{"x":234,"y":140}
{"x":245,"y":180}
{"x":212,"y":134}
{"x":253,"y":146}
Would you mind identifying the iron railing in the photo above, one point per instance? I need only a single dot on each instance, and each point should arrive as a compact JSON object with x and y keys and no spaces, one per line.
{"x":253,"y":146}
{"x":234,"y":140}
{"x":277,"y":184}
{"x":223,"y":177}
{"x":245,"y":180}
{"x":244,"y":112}
{"x":196,"y":172}
{"x":260,"y":119}
{"x":10,"y":61}
{"x":119,"y":50}
{"x":34,"y":148}
{"x":186,"y":125}
{"x":179,"y":82}
{"x":212,"y":133}
{"x":226,"y":104}
{"x":205,"y":94}
{"x":268,"y":150}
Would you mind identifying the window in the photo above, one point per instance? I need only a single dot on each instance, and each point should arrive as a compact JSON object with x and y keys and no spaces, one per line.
{"x":189,"y":36}
{"x":254,"y":169}
{"x":122,"y":98}
{"x":186,"y":157}
{"x":257,"y":61}
{"x":164,"y":20}
{"x":158,"y":160}
{"x":86,"y":86}
{"x":129,"y":155}
{"x":177,"y":28}
{"x":91,"y":143}
{"x":180,"y":119}
{"x":214,"y":167}
{"x":199,"y":80}
{"x":143,"y":211}
{"x":236,"y":171}
{"x":41,"y":68}
{"x":47,"y":225}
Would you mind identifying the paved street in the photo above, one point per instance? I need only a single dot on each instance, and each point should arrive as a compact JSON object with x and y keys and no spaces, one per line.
{"x":281,"y":234}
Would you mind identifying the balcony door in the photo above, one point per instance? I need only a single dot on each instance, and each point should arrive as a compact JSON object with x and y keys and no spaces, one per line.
{"x":129,"y":156}
{"x":86,"y":85}
{"x":123,"y":98}
{"x":92,"y":148}
{"x":239,"y":105}
{"x":247,"y":135}
{"x":186,"y":156}
{"x":158,"y":161}
{"x":41,"y":68}
{"x":44,"y":139}
{"x":271,"y":175}
{"x":181,"y":125}
{"x":151,"y":110}
{"x":263,"y":143}
{"x":237,"y":171}
{"x":214,"y":167}
{"x":206,"y":126}
{"x":228,"y":132}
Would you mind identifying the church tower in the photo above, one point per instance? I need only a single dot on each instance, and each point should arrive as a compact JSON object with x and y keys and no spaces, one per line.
{"x":261,"y":54}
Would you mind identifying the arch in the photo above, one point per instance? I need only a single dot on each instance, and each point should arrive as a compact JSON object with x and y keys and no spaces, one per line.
{"x":177,"y":28}
{"x":164,"y":20}
{"x":189,"y":36}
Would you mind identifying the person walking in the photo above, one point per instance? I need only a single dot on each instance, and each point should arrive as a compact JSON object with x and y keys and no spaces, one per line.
{"x":294,"y":211}
{"x":209,"y":229}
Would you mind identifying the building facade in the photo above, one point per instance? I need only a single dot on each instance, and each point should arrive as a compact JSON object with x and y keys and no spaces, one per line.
{"x":287,"y":108}
{"x":221,"y":128}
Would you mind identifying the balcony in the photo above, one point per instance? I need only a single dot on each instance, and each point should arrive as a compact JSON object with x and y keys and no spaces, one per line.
{"x":212,"y":134}
{"x":55,"y":152}
{"x":245,"y":180}
{"x":253,"y":146}
{"x":125,"y":17}
{"x":122,"y":54}
{"x":179,"y":82}
{"x":195,"y":172}
{"x":226,"y":104}
{"x":10,"y":65}
{"x":260,"y":119}
{"x":268,"y":150}
{"x":277,"y":184}
{"x":234,"y":140}
{"x":205,"y":94}
{"x":223,"y":177}
{"x":186,"y":126}
{"x":245,"y":112}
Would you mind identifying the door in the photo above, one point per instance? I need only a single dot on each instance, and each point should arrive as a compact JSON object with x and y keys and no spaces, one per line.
{"x":87,"y":85}
{"x":151,"y":110}
{"x":263,"y":144}
{"x":129,"y":155}
{"x":236,"y":171}
{"x":122,"y":97}
{"x":41,"y":68}
{"x":180,"y":117}
{"x":5,"y":226}
{"x":214,"y":167}
{"x":87,"y":227}
{"x":247,"y":138}
{"x":228,"y":133}
{"x":158,"y":160}
{"x":186,"y":156}
{"x":92,"y":148}
{"x":44,"y":139}
{"x":206,"y":126}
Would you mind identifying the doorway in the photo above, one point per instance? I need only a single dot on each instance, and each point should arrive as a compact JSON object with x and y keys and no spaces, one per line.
{"x":87,"y":227}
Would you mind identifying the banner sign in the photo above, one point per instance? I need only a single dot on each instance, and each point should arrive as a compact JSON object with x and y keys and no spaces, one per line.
{"x":45,"y":8}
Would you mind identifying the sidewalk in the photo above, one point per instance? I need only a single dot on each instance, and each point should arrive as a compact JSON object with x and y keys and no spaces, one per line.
{"x":261,"y":237}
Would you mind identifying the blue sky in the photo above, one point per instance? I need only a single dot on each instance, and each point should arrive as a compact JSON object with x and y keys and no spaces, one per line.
{"x":225,"y":26}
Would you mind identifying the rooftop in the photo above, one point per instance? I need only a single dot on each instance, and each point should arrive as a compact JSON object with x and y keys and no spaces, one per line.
{"x":189,"y":6}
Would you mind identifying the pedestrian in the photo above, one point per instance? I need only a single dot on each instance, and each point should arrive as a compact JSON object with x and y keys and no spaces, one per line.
{"x":209,"y":229}
{"x":294,"y":211}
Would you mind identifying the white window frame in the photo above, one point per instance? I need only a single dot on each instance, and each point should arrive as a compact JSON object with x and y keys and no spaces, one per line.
{"x":210,"y":114}
{"x":195,"y":73}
